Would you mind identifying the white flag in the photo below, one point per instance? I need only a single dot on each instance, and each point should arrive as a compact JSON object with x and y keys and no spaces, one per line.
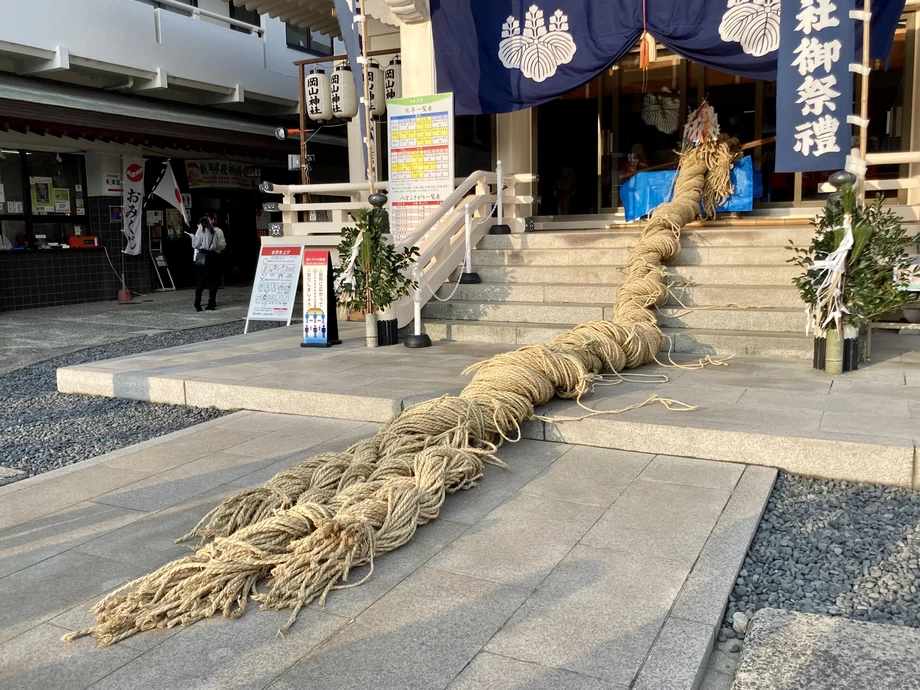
{"x":168,"y":190}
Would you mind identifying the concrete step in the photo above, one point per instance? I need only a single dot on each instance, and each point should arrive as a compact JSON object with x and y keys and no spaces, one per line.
{"x":714,"y":237}
{"x":618,"y":256}
{"x":593,"y":272}
{"x":703,"y":341}
{"x":747,"y":295}
{"x":728,"y":319}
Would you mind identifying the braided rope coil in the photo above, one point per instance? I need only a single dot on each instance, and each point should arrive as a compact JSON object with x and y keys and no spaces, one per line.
{"x":309,"y":526}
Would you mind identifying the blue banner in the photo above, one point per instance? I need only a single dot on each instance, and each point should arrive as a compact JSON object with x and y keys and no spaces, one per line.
{"x":497,"y":56}
{"x":814,"y":86}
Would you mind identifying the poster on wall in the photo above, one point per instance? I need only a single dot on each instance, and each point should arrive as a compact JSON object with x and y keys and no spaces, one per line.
{"x":14,"y":207}
{"x":62,"y":200}
{"x":42,"y":194}
{"x":173,"y":223}
{"x":275,"y":286}
{"x":320,"y":324}
{"x":155,"y":224}
{"x":421,"y":151}
{"x":132,"y":203}
{"x":111,"y":182}
{"x":218,"y":174}
{"x":814,"y":87}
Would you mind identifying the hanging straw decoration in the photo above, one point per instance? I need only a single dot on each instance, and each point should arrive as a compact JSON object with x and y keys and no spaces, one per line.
{"x":304,"y":531}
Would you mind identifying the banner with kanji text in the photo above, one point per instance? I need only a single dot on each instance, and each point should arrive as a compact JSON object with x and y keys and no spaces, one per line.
{"x":132,"y":201}
{"x":814,"y":86}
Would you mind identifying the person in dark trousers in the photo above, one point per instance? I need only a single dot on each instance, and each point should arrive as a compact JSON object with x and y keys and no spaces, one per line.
{"x":205,"y":245}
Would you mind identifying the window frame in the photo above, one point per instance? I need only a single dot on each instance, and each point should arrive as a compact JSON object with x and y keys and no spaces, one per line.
{"x":309,"y":49}
{"x":30,"y":217}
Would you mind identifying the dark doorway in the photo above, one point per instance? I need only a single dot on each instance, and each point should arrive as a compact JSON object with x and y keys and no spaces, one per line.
{"x":567,"y":163}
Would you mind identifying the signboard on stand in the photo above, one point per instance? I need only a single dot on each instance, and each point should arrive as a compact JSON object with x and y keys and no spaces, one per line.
{"x":320,"y":325}
{"x":275,"y":285}
{"x":421,"y":147}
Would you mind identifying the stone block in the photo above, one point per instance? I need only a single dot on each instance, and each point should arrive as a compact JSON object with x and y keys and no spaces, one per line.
{"x":218,"y":654}
{"x":705,"y":594}
{"x":8,"y":475}
{"x":44,"y":537}
{"x":182,"y":450}
{"x":797,"y":651}
{"x":492,"y":672}
{"x":668,"y":521}
{"x":42,"y":591}
{"x":419,"y":635}
{"x":80,"y":381}
{"x":693,"y":472}
{"x":151,"y":541}
{"x":519,"y":542}
{"x":593,"y":476}
{"x":598,"y":613}
{"x":57,"y":665}
{"x":678,"y":657}
{"x":276,"y":398}
{"x":38,"y":499}
{"x":182,"y":483}
{"x":525,"y":460}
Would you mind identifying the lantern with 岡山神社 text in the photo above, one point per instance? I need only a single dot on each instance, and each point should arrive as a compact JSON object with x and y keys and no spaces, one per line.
{"x":376,"y":89}
{"x":344,"y":95}
{"x":392,"y":77}
{"x":319,"y":97}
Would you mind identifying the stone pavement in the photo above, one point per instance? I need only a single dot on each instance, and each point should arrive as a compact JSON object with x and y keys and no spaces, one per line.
{"x":577,"y":567}
{"x":785,"y":650}
{"x":862,"y":426}
{"x":33,"y":335}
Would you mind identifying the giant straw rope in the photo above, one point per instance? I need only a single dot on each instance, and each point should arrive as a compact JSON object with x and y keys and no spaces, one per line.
{"x":307,"y":527}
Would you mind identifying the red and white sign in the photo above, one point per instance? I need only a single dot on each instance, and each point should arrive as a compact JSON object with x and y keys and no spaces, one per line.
{"x":132,"y":203}
{"x":275,"y":285}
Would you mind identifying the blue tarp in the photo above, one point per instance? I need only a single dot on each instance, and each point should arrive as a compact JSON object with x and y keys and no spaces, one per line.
{"x":645,"y":190}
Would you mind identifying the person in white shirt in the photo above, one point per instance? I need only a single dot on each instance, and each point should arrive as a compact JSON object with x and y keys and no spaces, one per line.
{"x":204,"y":243}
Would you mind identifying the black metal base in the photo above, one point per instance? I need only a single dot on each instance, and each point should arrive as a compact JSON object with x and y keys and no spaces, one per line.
{"x":416,"y":341}
{"x":850,"y":354}
{"x":387,"y":333}
{"x":326,"y":344}
{"x":500,"y":229}
{"x":470,"y":278}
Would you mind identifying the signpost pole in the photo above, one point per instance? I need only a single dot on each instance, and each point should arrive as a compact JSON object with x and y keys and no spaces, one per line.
{"x":864,"y":95}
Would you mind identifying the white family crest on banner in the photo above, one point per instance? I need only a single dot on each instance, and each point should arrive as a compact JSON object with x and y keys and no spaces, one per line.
{"x":752,"y":23}
{"x":661,"y":111}
{"x":538,"y":51}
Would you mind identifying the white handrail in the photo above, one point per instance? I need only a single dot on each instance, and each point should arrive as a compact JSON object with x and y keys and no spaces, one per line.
{"x":448,"y":228}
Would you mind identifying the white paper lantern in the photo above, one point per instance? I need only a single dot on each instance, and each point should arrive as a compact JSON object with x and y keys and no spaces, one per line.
{"x":392,"y":77}
{"x":376,"y":88}
{"x":344,"y":95}
{"x":319,"y":97}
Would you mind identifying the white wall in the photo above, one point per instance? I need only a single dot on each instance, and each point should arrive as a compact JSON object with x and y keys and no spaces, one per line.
{"x":124,"y":33}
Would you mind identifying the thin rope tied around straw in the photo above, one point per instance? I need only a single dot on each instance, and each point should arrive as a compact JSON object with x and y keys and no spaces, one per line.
{"x":310,"y":525}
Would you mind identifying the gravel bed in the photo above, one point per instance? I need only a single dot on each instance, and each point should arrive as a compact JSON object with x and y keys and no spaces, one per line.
{"x":832,"y":548}
{"x":41,"y":429}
